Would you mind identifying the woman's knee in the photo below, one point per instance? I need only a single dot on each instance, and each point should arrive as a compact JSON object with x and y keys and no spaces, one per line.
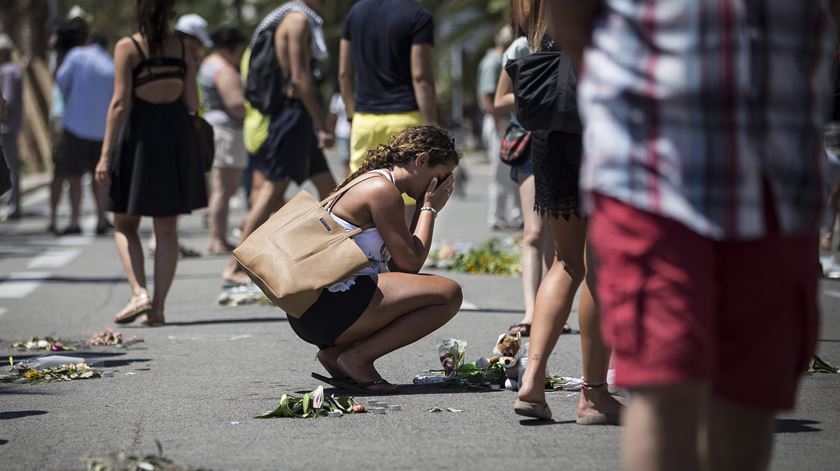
{"x":451,"y":293}
{"x":166,"y":227}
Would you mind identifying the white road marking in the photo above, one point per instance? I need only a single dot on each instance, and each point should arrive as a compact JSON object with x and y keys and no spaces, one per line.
{"x":2,"y":311}
{"x":72,"y":241}
{"x":833,"y":294}
{"x":20,"y":284}
{"x":53,"y":258}
{"x":468,"y":306}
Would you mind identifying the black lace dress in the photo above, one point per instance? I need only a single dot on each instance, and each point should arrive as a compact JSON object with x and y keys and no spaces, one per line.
{"x":556,"y":158}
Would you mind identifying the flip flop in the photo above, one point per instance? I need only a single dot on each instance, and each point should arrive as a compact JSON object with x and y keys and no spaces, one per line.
{"x":526,"y":329}
{"x":532,"y":409}
{"x":338,"y":383}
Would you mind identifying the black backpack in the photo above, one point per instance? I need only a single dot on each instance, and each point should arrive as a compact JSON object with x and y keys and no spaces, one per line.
{"x":544,"y":86}
{"x":266,"y":86}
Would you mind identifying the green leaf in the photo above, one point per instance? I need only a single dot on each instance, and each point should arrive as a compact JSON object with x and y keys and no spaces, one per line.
{"x":307,"y":403}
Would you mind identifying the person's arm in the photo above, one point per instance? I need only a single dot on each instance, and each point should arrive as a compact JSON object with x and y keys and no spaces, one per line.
{"x":190,"y":95}
{"x":2,"y":106}
{"x":504,"y":101}
{"x":229,"y":85}
{"x":119,"y":108}
{"x":423,"y":81}
{"x":300,"y":73}
{"x":346,"y":77}
{"x":64,"y":75}
{"x":570,"y":24}
{"x":409,"y":249}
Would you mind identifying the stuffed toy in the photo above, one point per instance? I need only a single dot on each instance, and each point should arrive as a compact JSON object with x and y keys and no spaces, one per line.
{"x":508,"y":353}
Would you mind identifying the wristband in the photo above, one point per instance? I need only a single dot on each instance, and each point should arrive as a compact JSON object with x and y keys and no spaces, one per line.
{"x":431,"y":210}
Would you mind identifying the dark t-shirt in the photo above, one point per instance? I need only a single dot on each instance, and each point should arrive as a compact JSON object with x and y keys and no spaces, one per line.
{"x":381,"y":33}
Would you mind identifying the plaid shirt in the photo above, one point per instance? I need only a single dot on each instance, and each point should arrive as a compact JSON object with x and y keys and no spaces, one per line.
{"x":690,"y":105}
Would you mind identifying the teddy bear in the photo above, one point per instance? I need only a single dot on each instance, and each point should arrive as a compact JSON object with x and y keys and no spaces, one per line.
{"x":508,"y":353}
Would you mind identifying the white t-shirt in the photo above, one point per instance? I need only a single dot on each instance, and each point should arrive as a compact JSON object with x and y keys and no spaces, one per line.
{"x":342,"y":127}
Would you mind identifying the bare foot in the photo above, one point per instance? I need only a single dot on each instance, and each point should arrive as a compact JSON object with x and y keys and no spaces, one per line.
{"x":154,"y":319}
{"x":361,"y":370}
{"x":596,"y":402}
{"x":219,"y":247}
{"x":531,"y":392}
{"x":329,"y":360}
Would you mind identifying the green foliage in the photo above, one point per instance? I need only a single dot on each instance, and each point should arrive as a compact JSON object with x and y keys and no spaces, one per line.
{"x":308,"y":407}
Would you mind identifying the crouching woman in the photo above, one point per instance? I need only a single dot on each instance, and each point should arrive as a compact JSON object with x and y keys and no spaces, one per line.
{"x":387,"y":305}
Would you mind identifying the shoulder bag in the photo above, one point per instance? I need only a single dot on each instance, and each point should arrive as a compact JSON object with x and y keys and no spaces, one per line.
{"x":205,"y":142}
{"x":515,"y":145}
{"x":300,"y":250}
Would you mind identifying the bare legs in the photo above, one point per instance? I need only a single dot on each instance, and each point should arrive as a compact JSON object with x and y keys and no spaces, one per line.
{"x":166,"y":261}
{"x":75,"y":183}
{"x":268,"y":199}
{"x":553,"y":305}
{"x":536,"y":248}
{"x":404,"y":309}
{"x":130,"y":251}
{"x":666,"y":428}
{"x":225,"y":181}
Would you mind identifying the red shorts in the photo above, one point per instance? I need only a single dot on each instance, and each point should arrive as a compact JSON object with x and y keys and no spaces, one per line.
{"x":741,"y":316}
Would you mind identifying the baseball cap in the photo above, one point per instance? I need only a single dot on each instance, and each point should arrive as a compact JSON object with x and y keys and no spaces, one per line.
{"x":6,"y":43}
{"x":195,"y":26}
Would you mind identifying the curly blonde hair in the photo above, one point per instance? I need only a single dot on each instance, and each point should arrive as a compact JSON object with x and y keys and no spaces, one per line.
{"x":407,"y":145}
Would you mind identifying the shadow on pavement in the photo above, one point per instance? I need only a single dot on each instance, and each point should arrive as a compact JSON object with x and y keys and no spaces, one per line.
{"x":829,"y":340}
{"x":543,"y":423}
{"x":236,"y":320}
{"x":20,"y":413}
{"x":796,"y":426}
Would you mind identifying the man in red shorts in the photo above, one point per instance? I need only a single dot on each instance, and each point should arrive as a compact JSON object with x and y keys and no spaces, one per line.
{"x":703,"y":177}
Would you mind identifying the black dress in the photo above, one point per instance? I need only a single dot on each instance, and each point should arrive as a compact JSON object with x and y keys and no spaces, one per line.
{"x":556,"y":157}
{"x":156,"y":170}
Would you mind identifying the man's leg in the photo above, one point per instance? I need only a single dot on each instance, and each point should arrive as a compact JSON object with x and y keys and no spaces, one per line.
{"x":56,"y":189}
{"x":269,"y":198}
{"x":739,"y":437}
{"x":661,"y":428}
{"x":75,"y":182}
{"x":10,"y":148}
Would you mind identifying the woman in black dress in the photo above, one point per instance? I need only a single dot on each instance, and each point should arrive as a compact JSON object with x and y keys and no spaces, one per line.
{"x":556,"y":157}
{"x":148,"y":156}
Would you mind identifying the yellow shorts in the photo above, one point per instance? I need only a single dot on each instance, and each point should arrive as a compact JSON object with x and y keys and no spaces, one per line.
{"x":371,"y":130}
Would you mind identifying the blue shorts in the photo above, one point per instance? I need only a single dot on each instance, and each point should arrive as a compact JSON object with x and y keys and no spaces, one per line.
{"x":518,"y":173}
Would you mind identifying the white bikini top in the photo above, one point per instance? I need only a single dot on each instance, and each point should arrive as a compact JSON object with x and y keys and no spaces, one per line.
{"x":371,"y":243}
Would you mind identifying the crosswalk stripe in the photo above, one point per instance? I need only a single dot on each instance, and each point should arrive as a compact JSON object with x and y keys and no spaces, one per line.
{"x":54,"y":258}
{"x":21,"y":284}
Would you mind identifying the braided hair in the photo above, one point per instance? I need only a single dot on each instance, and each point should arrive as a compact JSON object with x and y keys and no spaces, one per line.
{"x":406,"y":146}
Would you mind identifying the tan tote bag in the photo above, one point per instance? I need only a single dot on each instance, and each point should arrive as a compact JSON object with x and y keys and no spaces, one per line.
{"x":300,"y":250}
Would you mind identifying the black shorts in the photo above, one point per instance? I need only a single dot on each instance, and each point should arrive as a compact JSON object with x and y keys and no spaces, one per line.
{"x":291,"y":150}
{"x":334,"y":313}
{"x":76,"y":156}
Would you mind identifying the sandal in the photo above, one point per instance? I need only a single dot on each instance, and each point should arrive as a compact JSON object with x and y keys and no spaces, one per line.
{"x":136,"y":307}
{"x":532,"y":410}
{"x":598,"y":419}
{"x":525,"y":326}
{"x":338,"y":383}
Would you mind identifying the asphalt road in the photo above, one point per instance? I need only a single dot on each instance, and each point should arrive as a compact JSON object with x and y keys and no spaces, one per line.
{"x":195,"y":384}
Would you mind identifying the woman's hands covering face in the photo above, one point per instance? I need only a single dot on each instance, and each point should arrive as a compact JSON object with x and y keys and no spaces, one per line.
{"x":438,"y":194}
